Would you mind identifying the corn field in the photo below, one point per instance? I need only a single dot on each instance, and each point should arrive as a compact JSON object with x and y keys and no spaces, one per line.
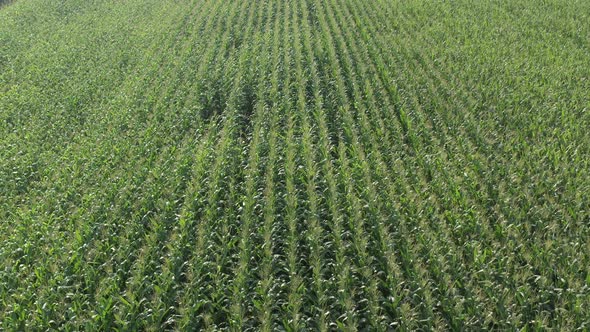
{"x":294,"y":165}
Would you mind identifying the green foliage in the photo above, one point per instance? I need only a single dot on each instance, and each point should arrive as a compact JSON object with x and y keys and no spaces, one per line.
{"x":294,"y":165}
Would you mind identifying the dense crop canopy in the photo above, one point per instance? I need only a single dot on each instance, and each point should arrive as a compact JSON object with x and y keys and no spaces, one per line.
{"x":294,"y":165}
